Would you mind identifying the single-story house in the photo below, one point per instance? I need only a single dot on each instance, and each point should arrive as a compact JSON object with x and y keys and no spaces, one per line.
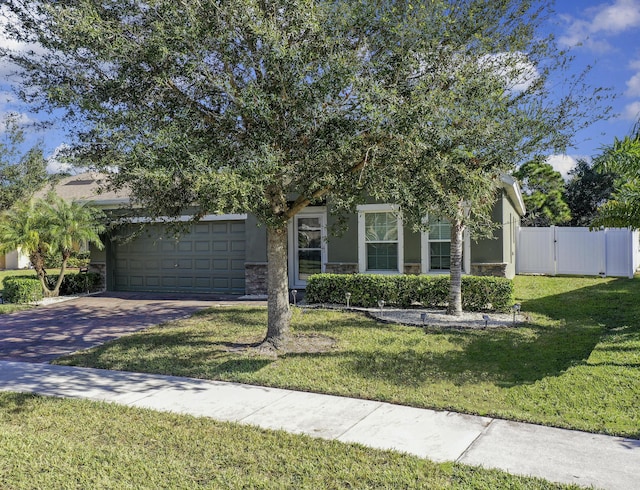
{"x":228,"y":253}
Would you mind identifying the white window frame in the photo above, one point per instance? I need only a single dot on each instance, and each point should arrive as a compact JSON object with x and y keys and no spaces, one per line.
{"x":362,"y":243}
{"x":310,"y":211}
{"x":425,"y":256}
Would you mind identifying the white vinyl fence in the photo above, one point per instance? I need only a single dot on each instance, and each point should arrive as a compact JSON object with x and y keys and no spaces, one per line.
{"x":562,"y":250}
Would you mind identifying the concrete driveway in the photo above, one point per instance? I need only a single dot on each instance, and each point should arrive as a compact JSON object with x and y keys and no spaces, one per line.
{"x":46,"y":332}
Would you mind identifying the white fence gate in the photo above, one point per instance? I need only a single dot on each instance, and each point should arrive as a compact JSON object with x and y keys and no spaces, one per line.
{"x":563,"y":250}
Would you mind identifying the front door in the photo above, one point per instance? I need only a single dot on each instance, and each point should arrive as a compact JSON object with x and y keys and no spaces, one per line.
{"x":307,"y":248}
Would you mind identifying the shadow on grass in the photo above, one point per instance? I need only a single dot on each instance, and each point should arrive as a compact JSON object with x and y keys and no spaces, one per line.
{"x":16,"y":403}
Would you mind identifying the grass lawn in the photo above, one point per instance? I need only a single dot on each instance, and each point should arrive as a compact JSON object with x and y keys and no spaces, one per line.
{"x":576,"y":364}
{"x":54,"y":443}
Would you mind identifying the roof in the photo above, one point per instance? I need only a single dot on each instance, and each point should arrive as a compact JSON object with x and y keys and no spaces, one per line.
{"x":512,"y":187}
{"x":88,"y":186}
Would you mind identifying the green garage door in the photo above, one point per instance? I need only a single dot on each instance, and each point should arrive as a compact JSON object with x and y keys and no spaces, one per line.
{"x":209,"y":257}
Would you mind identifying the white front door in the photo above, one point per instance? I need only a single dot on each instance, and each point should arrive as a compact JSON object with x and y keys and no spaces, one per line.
{"x":307,"y":247}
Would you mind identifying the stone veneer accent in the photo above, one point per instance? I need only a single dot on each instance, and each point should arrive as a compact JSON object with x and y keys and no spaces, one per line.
{"x":412,"y":268}
{"x":255,"y":278}
{"x":498,"y":269}
{"x":341,"y":268}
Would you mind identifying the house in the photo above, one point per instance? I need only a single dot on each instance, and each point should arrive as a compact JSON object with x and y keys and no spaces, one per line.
{"x":228,"y":253}
{"x":14,"y":260}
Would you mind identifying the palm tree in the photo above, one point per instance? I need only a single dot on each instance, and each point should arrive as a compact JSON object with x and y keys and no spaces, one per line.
{"x":50,"y":225}
{"x":20,"y":229}
{"x":68,"y":225}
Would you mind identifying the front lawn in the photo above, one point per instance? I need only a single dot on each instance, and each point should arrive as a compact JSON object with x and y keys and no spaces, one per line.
{"x":575,"y":364}
{"x":55,"y":443}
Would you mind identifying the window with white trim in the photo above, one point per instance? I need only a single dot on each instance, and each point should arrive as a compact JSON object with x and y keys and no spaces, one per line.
{"x":380,"y":239}
{"x":439,"y":245}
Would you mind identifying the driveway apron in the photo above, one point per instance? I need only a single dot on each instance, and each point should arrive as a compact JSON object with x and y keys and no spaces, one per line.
{"x":43,"y":333}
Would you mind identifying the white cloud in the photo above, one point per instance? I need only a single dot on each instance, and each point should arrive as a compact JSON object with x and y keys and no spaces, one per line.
{"x":606,"y":19}
{"x":55,"y":164}
{"x":515,"y":68}
{"x":631,"y":111}
{"x":562,"y":164}
{"x":633,"y":86}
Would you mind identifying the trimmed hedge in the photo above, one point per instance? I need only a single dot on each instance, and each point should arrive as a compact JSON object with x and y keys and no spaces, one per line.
{"x":21,"y":289}
{"x":78,"y":283}
{"x":478,"y":292}
{"x":27,"y":289}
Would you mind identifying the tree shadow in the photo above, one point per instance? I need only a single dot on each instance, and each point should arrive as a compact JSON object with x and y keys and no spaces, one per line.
{"x":577,"y":327}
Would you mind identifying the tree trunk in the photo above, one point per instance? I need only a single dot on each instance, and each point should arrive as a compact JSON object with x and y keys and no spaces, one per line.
{"x":279,"y":314}
{"x":455,"y":289}
{"x":37,"y":261}
{"x":63,"y":269}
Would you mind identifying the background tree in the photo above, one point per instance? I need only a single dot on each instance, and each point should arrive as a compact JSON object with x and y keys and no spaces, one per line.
{"x":268,"y":106}
{"x":587,"y":190}
{"x":622,"y":158}
{"x":50,"y":226}
{"x":21,"y":174}
{"x":542,"y":188}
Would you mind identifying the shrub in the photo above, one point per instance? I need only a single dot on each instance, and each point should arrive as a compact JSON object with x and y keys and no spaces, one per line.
{"x":478,"y":293}
{"x":78,"y":260}
{"x":22,"y":289}
{"x":79,"y":283}
{"x":27,"y":289}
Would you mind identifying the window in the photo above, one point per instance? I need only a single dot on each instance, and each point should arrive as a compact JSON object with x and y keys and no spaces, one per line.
{"x":436,"y":248}
{"x":380,"y":240}
{"x":439,"y":245}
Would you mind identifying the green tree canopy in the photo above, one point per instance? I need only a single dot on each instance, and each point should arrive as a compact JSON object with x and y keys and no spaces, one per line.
{"x":268,"y":106}
{"x":587,"y":190}
{"x":623,"y":159}
{"x":38,"y":227}
{"x":21,"y":174}
{"x":543,"y":195}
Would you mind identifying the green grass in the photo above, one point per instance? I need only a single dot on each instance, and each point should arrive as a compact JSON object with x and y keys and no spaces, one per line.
{"x":55,"y":443}
{"x":576,"y":364}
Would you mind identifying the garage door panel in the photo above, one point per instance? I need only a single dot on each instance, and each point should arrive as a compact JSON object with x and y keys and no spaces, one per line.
{"x":210,"y":257}
{"x":167,"y":246}
{"x":201,"y":246}
{"x":135,"y":281}
{"x":168,"y":264}
{"x":152,"y":281}
{"x":168,"y":281}
{"x":202,"y":283}
{"x":152,"y":264}
{"x":184,"y":264}
{"x":135,"y":264}
{"x":220,"y":246}
{"x":237,"y":228}
{"x":220,"y":264}
{"x":202,"y":264}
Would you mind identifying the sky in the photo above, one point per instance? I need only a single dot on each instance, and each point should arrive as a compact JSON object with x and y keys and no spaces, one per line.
{"x":604,"y":34}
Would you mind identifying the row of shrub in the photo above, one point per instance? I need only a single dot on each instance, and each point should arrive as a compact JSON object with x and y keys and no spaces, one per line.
{"x":479,"y":293}
{"x":27,"y":289}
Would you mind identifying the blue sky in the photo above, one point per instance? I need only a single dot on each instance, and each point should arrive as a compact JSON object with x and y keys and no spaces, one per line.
{"x":603,"y":34}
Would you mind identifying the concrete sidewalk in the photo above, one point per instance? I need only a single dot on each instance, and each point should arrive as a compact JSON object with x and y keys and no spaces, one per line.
{"x":554,"y":454}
